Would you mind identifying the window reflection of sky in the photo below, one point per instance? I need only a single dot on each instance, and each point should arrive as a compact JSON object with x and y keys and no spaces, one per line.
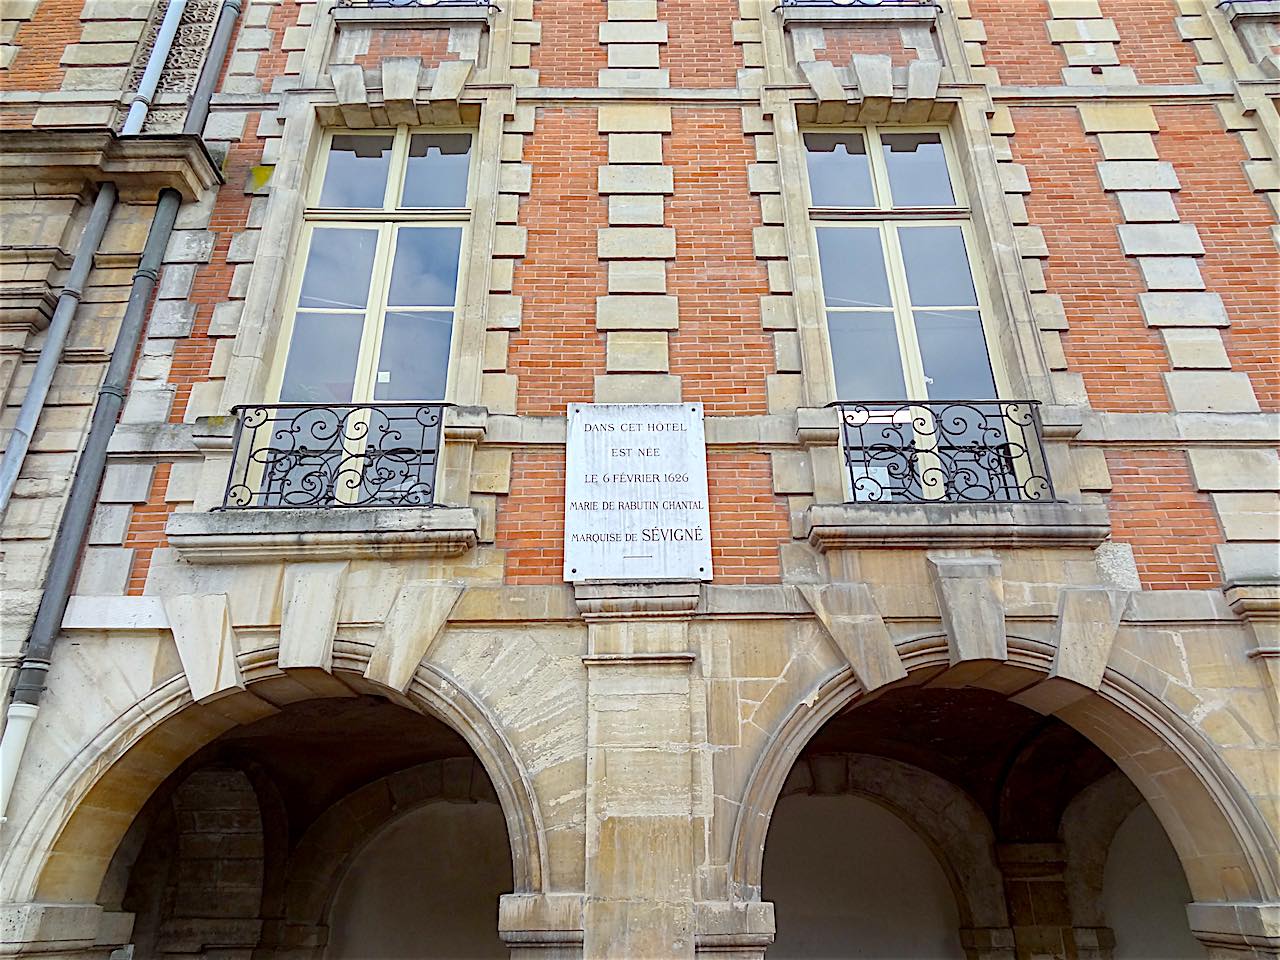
{"x":937,"y":267}
{"x":839,"y":175}
{"x":339,"y":265}
{"x":852,"y":265}
{"x":437,"y":170}
{"x":917,"y":170}
{"x":356,"y":171}
{"x":425,"y":270}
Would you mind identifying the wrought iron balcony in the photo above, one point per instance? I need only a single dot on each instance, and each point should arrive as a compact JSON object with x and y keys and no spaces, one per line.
{"x":441,"y":4}
{"x":933,"y":4}
{"x":945,"y":452}
{"x":353,"y":455}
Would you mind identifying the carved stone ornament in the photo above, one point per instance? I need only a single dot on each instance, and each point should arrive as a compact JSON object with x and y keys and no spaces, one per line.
{"x":182,"y":67}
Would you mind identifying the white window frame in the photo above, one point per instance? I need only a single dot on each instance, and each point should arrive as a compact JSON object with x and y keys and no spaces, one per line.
{"x":388,"y":220}
{"x":887,"y":218}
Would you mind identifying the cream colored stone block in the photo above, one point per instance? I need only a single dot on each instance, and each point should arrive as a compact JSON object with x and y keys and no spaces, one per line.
{"x":634,"y":118}
{"x":1249,"y":516}
{"x":1128,"y":146}
{"x":635,"y":243}
{"x":637,"y":277}
{"x":491,"y":470}
{"x":1118,"y":117}
{"x":769,"y":243}
{"x":1083,"y":31}
{"x":309,"y":613}
{"x":1238,"y":469}
{"x":624,"y":56}
{"x":504,"y":312}
{"x":630,"y":351}
{"x":635,"y":179}
{"x":1142,"y":207}
{"x":632,"y":9}
{"x":777,"y":313}
{"x":637,"y":388}
{"x":633,"y":31}
{"x":206,"y":643}
{"x":1083,"y":638}
{"x":417,"y":616}
{"x":1196,"y":348}
{"x":636,"y":211}
{"x":637,"y":313}
{"x":498,"y":392}
{"x":633,"y":148}
{"x":510,"y":241}
{"x":1211,"y":391}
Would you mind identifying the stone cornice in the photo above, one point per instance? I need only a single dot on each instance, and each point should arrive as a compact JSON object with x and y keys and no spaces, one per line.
{"x":862,"y":525}
{"x":143,"y":164}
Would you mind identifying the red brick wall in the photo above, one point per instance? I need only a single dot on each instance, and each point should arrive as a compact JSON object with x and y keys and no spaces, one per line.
{"x":720,"y":351}
{"x":1156,"y":508}
{"x":1241,"y":262}
{"x":749,"y":521}
{"x":1109,"y":344}
{"x":557,"y":352}
{"x":531,"y":519}
{"x":570,"y":54}
{"x":42,"y":40}
{"x":841,"y":44}
{"x":431,"y":46}
{"x":146,"y":529}
{"x":1018,"y":41}
{"x":1149,"y":41}
{"x":701,"y":52}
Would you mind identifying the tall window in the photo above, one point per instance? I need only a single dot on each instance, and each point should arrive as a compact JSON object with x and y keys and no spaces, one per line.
{"x":903,"y":312}
{"x":375,"y":298}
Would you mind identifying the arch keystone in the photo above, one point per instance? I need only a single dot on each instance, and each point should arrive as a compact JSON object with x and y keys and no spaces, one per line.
{"x":417,"y":616}
{"x":848,"y":614}
{"x":206,"y":643}
{"x":309,"y":614}
{"x":1086,"y":629}
{"x":970,"y":594}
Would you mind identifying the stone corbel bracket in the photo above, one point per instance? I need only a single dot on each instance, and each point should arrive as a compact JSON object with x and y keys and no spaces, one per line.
{"x":140,"y":165}
{"x":970,"y":594}
{"x":408,"y":93}
{"x":872,"y":89}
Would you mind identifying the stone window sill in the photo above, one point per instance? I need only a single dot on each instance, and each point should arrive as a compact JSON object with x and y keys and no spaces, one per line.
{"x":830,"y":15}
{"x":433,"y":17}
{"x":862,"y":525}
{"x":253,"y":536}
{"x":1252,"y":10}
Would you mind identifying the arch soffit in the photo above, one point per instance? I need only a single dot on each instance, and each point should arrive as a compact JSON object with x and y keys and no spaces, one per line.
{"x":949,"y":822}
{"x":339,"y":835}
{"x":1205,"y":785}
{"x":64,"y":848}
{"x":1089,"y":824}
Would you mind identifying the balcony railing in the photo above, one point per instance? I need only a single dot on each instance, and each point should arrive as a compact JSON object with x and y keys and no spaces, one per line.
{"x":861,"y":3}
{"x":950,"y":452}
{"x":354,"y":455}
{"x":440,"y":4}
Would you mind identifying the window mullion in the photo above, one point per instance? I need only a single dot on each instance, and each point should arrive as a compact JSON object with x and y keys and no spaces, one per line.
{"x":908,"y":344}
{"x":371,"y":341}
{"x":879,"y":172}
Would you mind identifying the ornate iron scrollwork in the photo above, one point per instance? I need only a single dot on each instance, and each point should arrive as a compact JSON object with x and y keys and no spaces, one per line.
{"x":955,"y":451}
{"x":355,"y":455}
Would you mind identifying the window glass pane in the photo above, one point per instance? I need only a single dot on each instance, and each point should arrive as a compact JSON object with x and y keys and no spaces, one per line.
{"x":425,"y":270}
{"x":852,"y":261}
{"x":954,"y":353}
{"x":864,"y":348}
{"x":339,"y":264}
{"x":322,"y":358}
{"x":839,"y":174}
{"x":356,"y":172}
{"x":414,"y":358}
{"x":437,"y":173}
{"x":917,"y":170}
{"x":937,"y":267}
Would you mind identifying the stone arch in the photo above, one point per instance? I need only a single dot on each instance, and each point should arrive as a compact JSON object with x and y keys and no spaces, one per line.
{"x":337,"y":837}
{"x":1088,"y":826}
{"x":955,"y":828}
{"x":63,"y":850}
{"x":1229,"y":854}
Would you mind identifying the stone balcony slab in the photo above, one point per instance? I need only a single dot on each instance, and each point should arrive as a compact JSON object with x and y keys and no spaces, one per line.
{"x":340,"y":533}
{"x":914,"y":525}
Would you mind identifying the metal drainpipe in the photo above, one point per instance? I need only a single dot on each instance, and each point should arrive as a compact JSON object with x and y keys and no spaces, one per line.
{"x":30,"y":684}
{"x":60,"y":325}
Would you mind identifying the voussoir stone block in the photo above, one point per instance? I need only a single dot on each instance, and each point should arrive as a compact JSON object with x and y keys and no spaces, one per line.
{"x":970,"y":595}
{"x":416,"y":618}
{"x":309,"y":613}
{"x":850,"y":618}
{"x":206,"y":643}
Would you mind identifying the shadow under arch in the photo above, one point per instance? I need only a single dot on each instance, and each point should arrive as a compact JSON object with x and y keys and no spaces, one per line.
{"x":63,"y":851}
{"x":957,"y":832}
{"x":1227,"y":850}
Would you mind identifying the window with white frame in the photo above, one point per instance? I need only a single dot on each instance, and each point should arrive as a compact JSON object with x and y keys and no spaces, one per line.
{"x":918,"y":393}
{"x":904,"y":316}
{"x":374,"y":299}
